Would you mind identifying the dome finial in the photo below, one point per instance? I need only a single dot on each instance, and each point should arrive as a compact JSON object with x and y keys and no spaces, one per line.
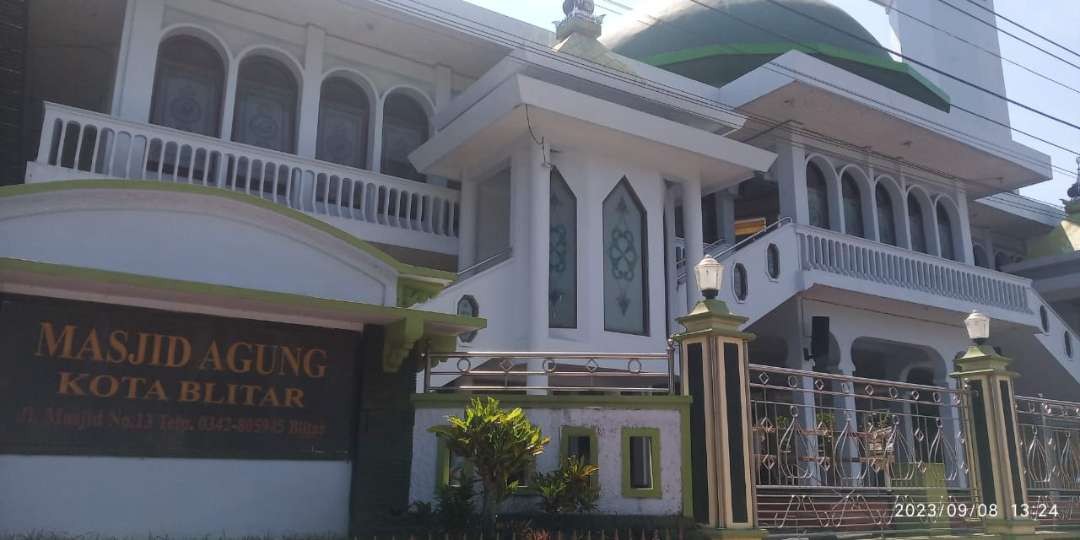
{"x":1074,"y":190}
{"x":579,"y":20}
{"x":584,"y":7}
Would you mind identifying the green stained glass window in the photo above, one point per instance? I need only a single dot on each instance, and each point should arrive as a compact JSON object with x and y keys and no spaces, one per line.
{"x":625,"y":280}
{"x":562,"y":255}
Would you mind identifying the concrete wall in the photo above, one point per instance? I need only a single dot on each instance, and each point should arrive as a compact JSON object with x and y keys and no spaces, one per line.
{"x":134,"y":497}
{"x":608,"y":422}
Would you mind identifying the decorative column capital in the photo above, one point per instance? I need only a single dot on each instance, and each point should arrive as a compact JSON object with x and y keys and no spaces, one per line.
{"x":980,"y":359}
{"x":713,"y":317}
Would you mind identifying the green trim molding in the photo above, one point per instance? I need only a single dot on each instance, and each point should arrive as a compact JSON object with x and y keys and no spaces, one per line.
{"x":419,"y":273}
{"x":846,"y":59}
{"x":568,"y":432}
{"x":656,"y":490}
{"x":412,"y":291}
{"x":404,"y":327}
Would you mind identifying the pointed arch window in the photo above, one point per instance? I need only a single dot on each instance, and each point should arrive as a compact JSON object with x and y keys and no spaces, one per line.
{"x":266,"y":100}
{"x":562,"y":254}
{"x":625,"y":256}
{"x":945,"y":233}
{"x":817,"y":196}
{"x":188,"y":86}
{"x":344,"y":117}
{"x":885,"y":217}
{"x":853,"y":214}
{"x":405,"y":128}
{"x":915,"y":224}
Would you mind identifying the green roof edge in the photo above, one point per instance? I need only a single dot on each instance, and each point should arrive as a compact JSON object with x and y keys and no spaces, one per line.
{"x":778,"y":48}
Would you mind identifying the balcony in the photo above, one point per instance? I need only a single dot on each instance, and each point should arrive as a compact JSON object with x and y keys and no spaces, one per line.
{"x":79,"y":144}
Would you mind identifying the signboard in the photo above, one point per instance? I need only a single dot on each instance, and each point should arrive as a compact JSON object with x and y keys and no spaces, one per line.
{"x":99,"y":379}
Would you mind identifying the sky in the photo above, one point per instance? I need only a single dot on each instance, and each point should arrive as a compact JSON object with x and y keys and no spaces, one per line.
{"x":1055,"y":19}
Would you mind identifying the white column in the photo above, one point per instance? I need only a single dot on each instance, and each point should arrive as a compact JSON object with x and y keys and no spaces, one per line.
{"x":444,"y":82}
{"x":692,"y":231}
{"x":467,"y":223}
{"x":790,"y":175}
{"x":725,"y":213}
{"x":539,"y":193}
{"x":376,"y":134}
{"x":804,"y":398}
{"x":674,"y":305}
{"x":967,"y":253}
{"x":847,"y":419}
{"x":311,"y":91}
{"x":134,"y":85}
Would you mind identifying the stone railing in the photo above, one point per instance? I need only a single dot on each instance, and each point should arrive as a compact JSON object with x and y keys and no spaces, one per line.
{"x":78,"y":144}
{"x":867,"y":260}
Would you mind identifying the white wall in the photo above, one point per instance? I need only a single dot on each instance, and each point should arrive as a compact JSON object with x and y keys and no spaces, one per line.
{"x":190,"y":237}
{"x":134,"y":497}
{"x":608,"y":423}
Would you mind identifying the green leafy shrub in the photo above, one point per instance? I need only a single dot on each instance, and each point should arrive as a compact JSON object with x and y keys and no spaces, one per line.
{"x":454,"y":502}
{"x":498,"y":443}
{"x":571,"y":488}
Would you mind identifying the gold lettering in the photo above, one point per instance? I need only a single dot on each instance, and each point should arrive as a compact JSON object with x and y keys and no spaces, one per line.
{"x":249,"y":398}
{"x":270,"y":398}
{"x":212,"y":355}
{"x":292,"y":359}
{"x":118,"y":345}
{"x":313,"y":369}
{"x":95,"y":387}
{"x":294,"y":397}
{"x":157,"y":392}
{"x":132,"y":385}
{"x":155,"y":354}
{"x":48,"y":337}
{"x":230,"y":358}
{"x":209,"y":397}
{"x":140,"y":357}
{"x":91,"y":345}
{"x":260,"y":358}
{"x":185,"y":352}
{"x":189,"y":391}
{"x":69,"y":383}
{"x":232,"y":394}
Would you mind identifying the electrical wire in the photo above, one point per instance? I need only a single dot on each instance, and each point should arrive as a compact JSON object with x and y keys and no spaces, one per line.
{"x":1044,"y":38}
{"x":933,"y":26}
{"x":1010,"y":34}
{"x":514,"y":41}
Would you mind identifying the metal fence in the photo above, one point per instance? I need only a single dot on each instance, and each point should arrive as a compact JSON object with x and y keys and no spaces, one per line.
{"x":554,"y":372}
{"x":1050,"y":444}
{"x":845,"y":453}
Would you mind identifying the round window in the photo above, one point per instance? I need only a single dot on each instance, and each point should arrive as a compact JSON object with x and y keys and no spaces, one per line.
{"x":468,"y":306}
{"x":772,"y":261}
{"x":1044,"y":318}
{"x":738,"y":282}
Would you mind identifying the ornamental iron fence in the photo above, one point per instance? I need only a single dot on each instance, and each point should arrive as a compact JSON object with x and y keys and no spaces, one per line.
{"x":843,"y":453}
{"x":1050,"y":453}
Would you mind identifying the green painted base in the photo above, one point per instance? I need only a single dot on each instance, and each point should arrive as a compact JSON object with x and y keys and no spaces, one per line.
{"x":735,"y":534}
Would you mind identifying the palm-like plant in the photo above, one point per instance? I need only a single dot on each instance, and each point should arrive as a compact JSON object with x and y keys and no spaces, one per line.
{"x":499,"y":443}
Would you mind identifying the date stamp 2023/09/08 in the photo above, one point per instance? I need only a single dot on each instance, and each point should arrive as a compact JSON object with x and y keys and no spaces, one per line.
{"x":972,"y":510}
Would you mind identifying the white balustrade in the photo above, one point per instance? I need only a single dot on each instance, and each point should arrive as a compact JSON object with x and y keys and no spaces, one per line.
{"x":85,"y":144}
{"x":855,"y":257}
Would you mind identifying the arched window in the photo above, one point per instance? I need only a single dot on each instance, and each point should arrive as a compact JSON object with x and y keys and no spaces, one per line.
{"x":625,"y":281}
{"x":886,"y":226}
{"x":266,"y":99}
{"x":562,"y":255}
{"x":344,"y":115}
{"x":915,"y":224}
{"x":979,"y":254}
{"x":188,"y":86}
{"x":945,"y":234}
{"x":405,"y":128}
{"x":817,"y":196}
{"x":853,"y":217}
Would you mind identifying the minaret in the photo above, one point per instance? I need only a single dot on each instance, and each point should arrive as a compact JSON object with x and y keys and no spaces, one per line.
{"x":579,"y":34}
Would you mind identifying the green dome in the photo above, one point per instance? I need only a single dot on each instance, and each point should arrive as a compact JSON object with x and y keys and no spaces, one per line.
{"x":719,"y":43}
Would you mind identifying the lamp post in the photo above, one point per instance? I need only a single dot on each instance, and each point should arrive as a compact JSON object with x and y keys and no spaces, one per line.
{"x":714,"y":362}
{"x":990,"y":417}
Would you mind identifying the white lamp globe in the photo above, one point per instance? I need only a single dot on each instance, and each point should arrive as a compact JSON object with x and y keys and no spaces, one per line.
{"x":710,"y":274}
{"x":978,"y":327}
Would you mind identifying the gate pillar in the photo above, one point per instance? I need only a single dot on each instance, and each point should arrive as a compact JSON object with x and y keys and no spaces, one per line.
{"x":994,"y":441}
{"x":713,"y":358}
